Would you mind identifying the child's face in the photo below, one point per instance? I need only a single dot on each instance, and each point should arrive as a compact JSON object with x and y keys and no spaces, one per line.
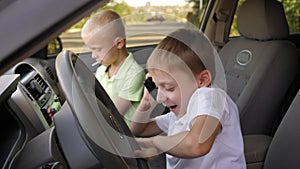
{"x":103,"y":49}
{"x":175,"y":91}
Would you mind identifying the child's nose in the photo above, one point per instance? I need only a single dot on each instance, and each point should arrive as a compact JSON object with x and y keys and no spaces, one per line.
{"x":94,"y":55}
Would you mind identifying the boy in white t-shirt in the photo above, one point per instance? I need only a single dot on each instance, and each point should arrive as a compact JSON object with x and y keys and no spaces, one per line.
{"x":202,"y":128}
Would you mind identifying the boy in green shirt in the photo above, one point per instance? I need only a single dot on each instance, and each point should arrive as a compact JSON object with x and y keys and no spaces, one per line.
{"x":119,"y":74}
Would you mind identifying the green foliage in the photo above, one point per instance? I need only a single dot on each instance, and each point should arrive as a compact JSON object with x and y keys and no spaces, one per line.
{"x":291,"y":7}
{"x":199,"y":7}
{"x":234,"y":31}
{"x":292,"y":10}
{"x":121,"y":8}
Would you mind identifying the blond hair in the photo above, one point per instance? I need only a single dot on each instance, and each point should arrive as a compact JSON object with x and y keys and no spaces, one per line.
{"x":105,"y":22}
{"x":184,"y":49}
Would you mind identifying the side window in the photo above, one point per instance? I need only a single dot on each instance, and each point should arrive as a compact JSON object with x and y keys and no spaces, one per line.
{"x":234,"y":31}
{"x":292,"y":12}
{"x":146,"y":22}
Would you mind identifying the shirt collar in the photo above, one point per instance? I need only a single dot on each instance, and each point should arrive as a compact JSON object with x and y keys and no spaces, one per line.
{"x":126,"y":65}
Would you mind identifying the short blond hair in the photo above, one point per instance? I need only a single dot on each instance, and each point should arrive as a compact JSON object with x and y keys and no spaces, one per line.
{"x":184,"y":49}
{"x":102,"y":22}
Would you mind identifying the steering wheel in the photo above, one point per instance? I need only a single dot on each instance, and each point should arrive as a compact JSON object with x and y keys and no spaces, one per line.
{"x":89,"y":127}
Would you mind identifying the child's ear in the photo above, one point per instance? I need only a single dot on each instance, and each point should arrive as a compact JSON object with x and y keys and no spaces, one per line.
{"x":204,"y":78}
{"x":119,"y":42}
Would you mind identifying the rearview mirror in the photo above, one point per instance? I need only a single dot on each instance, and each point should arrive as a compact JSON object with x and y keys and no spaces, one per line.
{"x":54,"y":47}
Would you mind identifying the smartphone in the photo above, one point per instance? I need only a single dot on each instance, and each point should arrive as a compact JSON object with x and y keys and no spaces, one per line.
{"x":151,"y":87}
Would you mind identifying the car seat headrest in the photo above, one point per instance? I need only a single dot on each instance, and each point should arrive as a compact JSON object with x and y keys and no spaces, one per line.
{"x":262,"y":20}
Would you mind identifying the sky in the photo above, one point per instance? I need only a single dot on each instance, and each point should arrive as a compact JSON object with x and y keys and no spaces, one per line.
{"x":155,"y":2}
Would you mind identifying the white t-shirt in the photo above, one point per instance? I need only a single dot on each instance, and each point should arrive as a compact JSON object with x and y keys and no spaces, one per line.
{"x":227,"y":151}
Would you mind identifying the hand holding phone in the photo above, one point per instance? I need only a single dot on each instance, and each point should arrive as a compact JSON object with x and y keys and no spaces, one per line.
{"x":151,"y":87}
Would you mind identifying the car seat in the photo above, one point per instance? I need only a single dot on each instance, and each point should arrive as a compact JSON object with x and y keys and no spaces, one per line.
{"x":260,"y":65}
{"x":285,"y":148}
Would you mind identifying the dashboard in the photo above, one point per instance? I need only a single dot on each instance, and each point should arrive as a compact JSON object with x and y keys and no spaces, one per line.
{"x":29,"y":98}
{"x":38,"y":87}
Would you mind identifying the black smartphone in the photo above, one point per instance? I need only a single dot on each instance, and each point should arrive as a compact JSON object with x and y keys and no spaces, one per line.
{"x":151,"y":87}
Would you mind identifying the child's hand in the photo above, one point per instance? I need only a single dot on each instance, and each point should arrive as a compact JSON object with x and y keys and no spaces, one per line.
{"x":147,"y":101}
{"x":148,"y":149}
{"x":147,"y":95}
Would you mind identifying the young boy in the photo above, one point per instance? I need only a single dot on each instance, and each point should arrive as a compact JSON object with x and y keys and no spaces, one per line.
{"x":119,"y":74}
{"x":202,"y":127}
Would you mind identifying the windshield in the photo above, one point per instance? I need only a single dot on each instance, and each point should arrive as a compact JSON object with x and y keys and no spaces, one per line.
{"x":146,"y":22}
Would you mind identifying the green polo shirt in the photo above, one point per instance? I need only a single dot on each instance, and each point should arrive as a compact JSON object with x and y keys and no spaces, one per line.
{"x":127,"y":83}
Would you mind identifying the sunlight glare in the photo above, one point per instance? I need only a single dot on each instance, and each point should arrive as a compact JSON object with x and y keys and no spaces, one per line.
{"x":155,"y":2}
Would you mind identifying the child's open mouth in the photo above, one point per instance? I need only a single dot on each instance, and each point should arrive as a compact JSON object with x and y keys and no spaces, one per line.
{"x":173,"y":107}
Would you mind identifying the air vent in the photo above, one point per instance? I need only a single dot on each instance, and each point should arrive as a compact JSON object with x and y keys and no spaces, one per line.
{"x":45,"y":65}
{"x":51,"y":74}
{"x":41,"y":82}
{"x":39,"y":89}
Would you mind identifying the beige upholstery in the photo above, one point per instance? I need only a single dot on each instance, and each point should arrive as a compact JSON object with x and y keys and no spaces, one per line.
{"x":284,"y":150}
{"x":262,"y":20}
{"x":285,"y":147}
{"x":259,"y":65}
{"x":256,"y":147}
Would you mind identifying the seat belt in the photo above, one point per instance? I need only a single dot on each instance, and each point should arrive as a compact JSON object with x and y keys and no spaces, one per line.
{"x":221,"y":17}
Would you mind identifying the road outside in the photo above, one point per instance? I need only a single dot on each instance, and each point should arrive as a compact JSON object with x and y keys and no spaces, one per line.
{"x":137,"y":35}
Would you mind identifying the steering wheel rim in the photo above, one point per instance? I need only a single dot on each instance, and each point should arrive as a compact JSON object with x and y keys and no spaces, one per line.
{"x":101,"y":124}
